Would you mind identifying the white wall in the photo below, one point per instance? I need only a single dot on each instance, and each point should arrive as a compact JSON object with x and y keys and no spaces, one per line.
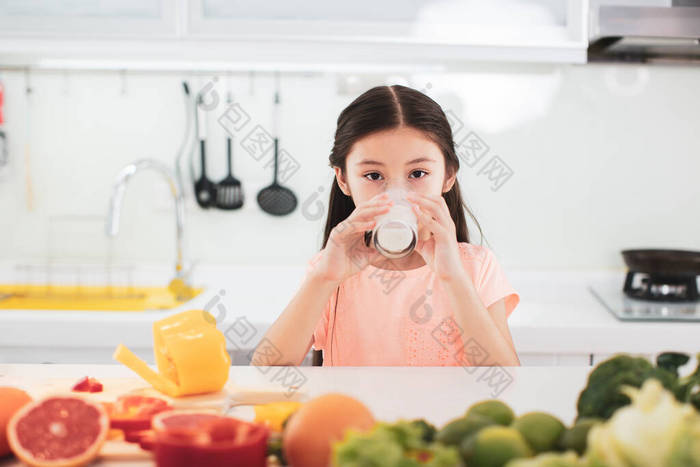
{"x":604,"y":158}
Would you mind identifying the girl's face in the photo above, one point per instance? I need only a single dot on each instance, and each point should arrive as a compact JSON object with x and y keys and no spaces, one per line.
{"x":402,"y":157}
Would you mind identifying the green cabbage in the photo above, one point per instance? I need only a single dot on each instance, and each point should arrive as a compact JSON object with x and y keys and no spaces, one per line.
{"x":655,"y":430}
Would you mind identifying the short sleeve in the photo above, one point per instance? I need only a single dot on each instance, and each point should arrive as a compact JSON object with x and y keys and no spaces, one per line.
{"x":319,"y":336}
{"x":319,"y":342}
{"x":493,"y":285}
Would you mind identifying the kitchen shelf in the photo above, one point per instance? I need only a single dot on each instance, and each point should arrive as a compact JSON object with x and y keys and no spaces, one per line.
{"x":419,"y":35}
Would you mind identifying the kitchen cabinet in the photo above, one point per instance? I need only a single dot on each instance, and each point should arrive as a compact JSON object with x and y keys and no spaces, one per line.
{"x":307,"y":35}
{"x":122,"y":18}
{"x":559,"y":324}
{"x":554,"y":359}
{"x":599,"y":357}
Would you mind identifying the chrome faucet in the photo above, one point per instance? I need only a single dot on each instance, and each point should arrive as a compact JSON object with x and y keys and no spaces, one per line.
{"x":179,"y":284}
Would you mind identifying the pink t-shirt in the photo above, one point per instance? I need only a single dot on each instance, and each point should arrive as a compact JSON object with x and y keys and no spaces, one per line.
{"x":401,"y":318}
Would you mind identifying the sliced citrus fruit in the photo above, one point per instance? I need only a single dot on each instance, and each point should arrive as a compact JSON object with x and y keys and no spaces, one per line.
{"x":11,"y":400}
{"x":58,"y":431}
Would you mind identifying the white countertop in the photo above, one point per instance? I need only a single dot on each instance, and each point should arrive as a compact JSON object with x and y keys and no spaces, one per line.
{"x":557,"y":315}
{"x":436,"y":394}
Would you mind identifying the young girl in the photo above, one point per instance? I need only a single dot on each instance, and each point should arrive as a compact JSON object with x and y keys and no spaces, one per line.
{"x":447,"y":303}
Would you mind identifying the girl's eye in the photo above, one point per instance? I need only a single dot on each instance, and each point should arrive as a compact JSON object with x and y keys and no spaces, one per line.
{"x":373,"y":176}
{"x":418,"y":174}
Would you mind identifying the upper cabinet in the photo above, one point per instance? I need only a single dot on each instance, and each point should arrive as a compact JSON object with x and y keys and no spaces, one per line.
{"x":296,"y":34}
{"x":73,"y":18}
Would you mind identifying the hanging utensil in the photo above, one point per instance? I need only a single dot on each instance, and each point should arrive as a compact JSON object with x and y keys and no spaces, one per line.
{"x":229,"y":193}
{"x":29,"y":186}
{"x":188,"y":144}
{"x":3,"y":148}
{"x":204,"y":189}
{"x":277,"y":199}
{"x":3,"y":135}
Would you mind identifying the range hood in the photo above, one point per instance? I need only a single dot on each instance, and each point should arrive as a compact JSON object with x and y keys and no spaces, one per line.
{"x":645,"y":33}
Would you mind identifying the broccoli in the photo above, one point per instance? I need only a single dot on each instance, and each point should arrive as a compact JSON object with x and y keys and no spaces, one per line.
{"x":398,"y":444}
{"x":689,"y":387}
{"x":428,"y":430}
{"x":694,"y":399}
{"x":672,"y":361}
{"x":602,"y":397}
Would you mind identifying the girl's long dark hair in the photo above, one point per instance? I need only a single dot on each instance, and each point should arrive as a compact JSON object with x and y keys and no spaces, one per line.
{"x":384,"y":108}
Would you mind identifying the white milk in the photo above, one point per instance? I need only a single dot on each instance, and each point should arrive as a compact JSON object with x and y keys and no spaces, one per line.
{"x":396,"y":232}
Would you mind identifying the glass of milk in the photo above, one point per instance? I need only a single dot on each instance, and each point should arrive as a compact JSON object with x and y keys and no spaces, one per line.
{"x":396,"y":232}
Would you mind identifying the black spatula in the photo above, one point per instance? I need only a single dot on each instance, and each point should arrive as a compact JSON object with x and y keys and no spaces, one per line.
{"x":229,"y":193}
{"x":204,"y":189}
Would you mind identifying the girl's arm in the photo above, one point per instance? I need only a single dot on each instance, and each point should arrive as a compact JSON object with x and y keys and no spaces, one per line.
{"x":438,"y":246}
{"x":486,"y":326}
{"x":288,"y":340}
{"x":500,"y":317}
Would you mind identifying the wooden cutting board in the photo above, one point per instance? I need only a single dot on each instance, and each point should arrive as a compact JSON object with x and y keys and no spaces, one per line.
{"x":233,"y":400}
{"x":114,"y":387}
{"x":120,"y":451}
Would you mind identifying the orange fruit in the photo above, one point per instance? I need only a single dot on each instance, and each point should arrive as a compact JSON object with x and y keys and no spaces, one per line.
{"x":58,"y":431}
{"x":311,"y":430}
{"x":11,"y":400}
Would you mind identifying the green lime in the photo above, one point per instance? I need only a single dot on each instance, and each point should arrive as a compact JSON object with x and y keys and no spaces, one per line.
{"x":494,"y":409}
{"x":455,"y":431}
{"x":575,"y":438}
{"x":495,"y":445}
{"x":466,"y":448}
{"x":541,"y":430}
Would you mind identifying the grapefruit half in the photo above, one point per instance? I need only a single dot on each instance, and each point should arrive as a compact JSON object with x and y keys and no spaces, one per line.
{"x":58,"y":431}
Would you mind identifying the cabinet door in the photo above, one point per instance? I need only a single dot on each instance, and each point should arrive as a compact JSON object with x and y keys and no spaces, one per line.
{"x":544,"y":359}
{"x":601,"y":357}
{"x":108,"y":18}
{"x":453,"y":29}
{"x":306,"y":19}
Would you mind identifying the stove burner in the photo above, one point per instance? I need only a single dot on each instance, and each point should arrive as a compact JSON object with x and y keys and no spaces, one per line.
{"x":661,"y":287}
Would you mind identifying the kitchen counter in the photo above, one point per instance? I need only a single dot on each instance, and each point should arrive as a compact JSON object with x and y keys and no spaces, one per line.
{"x":437,"y":394}
{"x":558,"y":321}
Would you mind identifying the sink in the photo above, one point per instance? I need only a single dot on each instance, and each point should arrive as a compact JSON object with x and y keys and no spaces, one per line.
{"x":88,"y":298}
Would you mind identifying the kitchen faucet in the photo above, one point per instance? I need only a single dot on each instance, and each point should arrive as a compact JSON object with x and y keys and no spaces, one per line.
{"x":179,"y":286}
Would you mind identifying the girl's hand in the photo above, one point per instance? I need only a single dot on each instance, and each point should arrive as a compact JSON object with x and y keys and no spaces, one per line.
{"x":345,"y":252}
{"x":437,"y":237}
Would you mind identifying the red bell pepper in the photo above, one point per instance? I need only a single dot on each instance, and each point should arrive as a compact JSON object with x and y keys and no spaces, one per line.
{"x":88,"y":384}
{"x":134,"y":413}
{"x":198,"y":438}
